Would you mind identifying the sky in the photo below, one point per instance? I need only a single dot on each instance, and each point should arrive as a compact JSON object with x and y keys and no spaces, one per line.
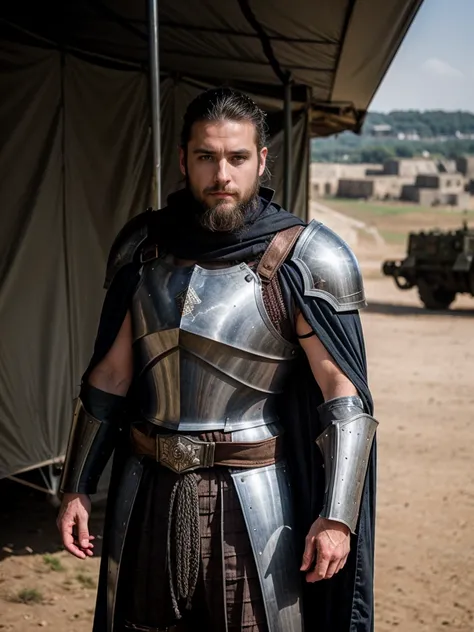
{"x":434,"y":67}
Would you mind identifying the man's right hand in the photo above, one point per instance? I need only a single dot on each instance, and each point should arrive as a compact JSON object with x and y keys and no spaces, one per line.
{"x":73,"y":524}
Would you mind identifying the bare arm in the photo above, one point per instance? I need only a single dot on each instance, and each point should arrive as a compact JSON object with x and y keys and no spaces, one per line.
{"x":328,"y":542}
{"x":331,"y":380}
{"x":113,"y":375}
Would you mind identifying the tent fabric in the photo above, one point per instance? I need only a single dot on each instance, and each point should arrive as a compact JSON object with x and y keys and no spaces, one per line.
{"x":70,"y":178}
{"x":337,"y":51}
{"x":76,"y":153}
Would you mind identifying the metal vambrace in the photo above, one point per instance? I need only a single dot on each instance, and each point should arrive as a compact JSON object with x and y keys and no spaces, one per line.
{"x":90,"y":446}
{"x":345,"y":445}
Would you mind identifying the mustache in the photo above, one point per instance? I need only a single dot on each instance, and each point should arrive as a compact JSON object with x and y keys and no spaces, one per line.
{"x":218,"y":189}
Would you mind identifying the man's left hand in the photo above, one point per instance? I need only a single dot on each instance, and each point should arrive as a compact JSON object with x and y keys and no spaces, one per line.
{"x":326,"y":549}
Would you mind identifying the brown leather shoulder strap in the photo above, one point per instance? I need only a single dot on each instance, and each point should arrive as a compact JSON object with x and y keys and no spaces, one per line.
{"x":277,"y":252}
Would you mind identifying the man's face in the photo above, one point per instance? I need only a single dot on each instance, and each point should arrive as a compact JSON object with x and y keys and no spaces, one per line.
{"x":223,"y":169}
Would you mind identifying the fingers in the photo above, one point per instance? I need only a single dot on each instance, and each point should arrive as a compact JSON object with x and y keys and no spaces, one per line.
{"x":326,"y":568}
{"x":73,"y":520}
{"x":333,"y":568}
{"x":84,"y":539}
{"x":328,"y":564}
{"x":322,"y":563}
{"x":309,"y":553}
{"x":66,"y":527}
{"x":83,"y":531}
{"x":88,"y":549}
{"x":342,"y":563}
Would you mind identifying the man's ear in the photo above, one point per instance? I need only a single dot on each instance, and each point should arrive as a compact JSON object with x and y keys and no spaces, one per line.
{"x":262,"y":160}
{"x":182,"y":161}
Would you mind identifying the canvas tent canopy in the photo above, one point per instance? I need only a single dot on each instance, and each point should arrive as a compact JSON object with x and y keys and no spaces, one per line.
{"x":76,"y":146}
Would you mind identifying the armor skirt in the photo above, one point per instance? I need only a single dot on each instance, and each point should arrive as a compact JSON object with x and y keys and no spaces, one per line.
{"x":228,"y":594}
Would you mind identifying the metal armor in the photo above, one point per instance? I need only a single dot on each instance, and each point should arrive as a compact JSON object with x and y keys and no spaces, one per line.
{"x":126,"y":245}
{"x":91,"y":443}
{"x":329,"y":268}
{"x":207,"y":356}
{"x":345,"y":444}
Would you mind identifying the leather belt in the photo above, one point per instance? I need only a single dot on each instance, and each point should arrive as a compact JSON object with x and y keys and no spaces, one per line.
{"x":181,"y":453}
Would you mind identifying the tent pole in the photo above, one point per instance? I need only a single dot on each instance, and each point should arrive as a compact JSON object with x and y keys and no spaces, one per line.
{"x":155,"y":96}
{"x":287,"y":143}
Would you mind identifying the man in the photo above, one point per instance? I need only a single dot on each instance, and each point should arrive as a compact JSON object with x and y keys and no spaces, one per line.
{"x":229,"y":378}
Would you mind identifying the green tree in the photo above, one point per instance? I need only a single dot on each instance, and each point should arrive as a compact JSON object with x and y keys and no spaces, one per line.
{"x":376,"y":154}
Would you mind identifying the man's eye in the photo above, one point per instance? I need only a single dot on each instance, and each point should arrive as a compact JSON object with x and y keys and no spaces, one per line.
{"x":238,"y":160}
{"x":205,"y":158}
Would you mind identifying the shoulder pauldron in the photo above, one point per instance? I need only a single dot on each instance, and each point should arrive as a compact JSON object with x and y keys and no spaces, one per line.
{"x":126,"y":245}
{"x":329,"y":268}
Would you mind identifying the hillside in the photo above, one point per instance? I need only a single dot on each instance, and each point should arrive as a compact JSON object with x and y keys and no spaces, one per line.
{"x":429,"y":124}
{"x":400,"y":133}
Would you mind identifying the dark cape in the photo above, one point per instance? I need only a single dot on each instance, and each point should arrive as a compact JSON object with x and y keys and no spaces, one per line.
{"x":344,"y":603}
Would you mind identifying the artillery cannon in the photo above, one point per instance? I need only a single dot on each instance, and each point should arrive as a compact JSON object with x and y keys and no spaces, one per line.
{"x":439,"y":263}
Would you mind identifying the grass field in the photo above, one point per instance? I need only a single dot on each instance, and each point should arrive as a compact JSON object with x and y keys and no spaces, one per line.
{"x":395,"y":220}
{"x":363,"y":210}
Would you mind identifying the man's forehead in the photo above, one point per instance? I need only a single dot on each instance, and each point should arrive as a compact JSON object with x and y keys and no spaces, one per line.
{"x":229,"y":132}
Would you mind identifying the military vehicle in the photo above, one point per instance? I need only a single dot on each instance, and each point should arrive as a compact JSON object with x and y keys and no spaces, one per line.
{"x":439,"y":263}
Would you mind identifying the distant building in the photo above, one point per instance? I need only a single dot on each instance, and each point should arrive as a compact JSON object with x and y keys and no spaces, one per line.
{"x":441,"y":189}
{"x":446,"y":166}
{"x":434,"y":197}
{"x":381,"y":131}
{"x":325,"y":176}
{"x":444,"y":182}
{"x":465,"y":165}
{"x":409,"y":167}
{"x":376,"y":187}
{"x":423,"y":181}
{"x":408,"y":136}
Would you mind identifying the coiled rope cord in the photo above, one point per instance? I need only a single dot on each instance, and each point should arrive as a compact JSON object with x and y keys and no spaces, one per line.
{"x":183,"y":519}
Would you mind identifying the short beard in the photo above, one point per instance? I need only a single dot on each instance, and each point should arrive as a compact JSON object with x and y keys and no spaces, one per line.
{"x":220,"y":220}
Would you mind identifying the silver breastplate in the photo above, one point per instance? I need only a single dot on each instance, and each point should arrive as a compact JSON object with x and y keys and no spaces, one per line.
{"x":207,"y":356}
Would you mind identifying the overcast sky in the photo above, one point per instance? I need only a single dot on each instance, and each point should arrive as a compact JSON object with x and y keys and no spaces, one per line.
{"x":434,"y":67}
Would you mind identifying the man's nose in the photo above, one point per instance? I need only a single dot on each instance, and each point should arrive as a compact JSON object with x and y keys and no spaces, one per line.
{"x":222,"y":175}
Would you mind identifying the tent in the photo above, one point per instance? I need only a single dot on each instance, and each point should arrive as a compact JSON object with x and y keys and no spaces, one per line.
{"x":77,"y":145}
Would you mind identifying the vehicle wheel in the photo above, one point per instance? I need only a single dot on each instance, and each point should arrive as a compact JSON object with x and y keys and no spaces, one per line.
{"x":435,"y":298}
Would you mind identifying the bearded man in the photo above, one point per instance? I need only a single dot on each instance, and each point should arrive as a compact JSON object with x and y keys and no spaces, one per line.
{"x":229,"y":378}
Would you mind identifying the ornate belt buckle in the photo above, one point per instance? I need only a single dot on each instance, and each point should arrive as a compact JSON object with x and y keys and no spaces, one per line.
{"x":183,"y":454}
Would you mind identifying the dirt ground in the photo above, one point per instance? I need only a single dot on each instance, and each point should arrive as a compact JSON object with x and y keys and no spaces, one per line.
{"x":421,"y":374}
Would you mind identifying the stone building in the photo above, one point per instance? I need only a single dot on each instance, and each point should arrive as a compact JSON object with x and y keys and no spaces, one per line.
{"x":465,"y":165}
{"x":422,"y":181}
{"x":374,"y":187}
{"x":409,"y":167}
{"x":441,"y":189}
{"x":325,"y":176}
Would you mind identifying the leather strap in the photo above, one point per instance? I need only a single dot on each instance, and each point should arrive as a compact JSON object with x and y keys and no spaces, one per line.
{"x":225,"y":453}
{"x":277,"y":251}
{"x":180,"y":627}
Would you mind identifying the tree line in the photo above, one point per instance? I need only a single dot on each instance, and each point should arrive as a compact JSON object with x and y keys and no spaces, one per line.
{"x":436,"y":129}
{"x":427,"y":124}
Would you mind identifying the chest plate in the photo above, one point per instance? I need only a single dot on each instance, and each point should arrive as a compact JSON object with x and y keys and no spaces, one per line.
{"x":207,"y":356}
